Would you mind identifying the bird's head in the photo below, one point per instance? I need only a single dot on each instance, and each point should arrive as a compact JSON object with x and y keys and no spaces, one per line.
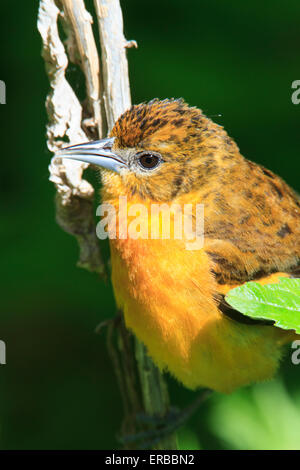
{"x":157,"y":151}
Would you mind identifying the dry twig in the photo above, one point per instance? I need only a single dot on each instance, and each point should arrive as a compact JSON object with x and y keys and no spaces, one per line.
{"x":74,"y":200}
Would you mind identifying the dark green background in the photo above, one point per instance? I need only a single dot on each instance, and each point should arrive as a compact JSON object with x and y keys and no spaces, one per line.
{"x":58,"y":390}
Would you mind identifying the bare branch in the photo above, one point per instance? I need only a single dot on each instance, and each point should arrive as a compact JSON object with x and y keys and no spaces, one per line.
{"x":65,"y":118}
{"x":115,"y":67}
{"x":63,"y":107}
{"x":81,"y":22}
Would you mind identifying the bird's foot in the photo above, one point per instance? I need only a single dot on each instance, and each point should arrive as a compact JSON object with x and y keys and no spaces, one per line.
{"x":157,"y":428}
{"x":114,"y":321}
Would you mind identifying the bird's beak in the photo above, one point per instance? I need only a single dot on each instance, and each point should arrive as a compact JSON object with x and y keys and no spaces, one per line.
{"x":97,"y":153}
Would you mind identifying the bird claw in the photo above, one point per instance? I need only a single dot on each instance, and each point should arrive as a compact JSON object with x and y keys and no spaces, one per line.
{"x":109,"y":321}
{"x":158,"y":428}
{"x":162,"y":426}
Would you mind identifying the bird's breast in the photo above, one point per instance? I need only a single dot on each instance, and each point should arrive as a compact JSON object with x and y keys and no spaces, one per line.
{"x":167,"y":293}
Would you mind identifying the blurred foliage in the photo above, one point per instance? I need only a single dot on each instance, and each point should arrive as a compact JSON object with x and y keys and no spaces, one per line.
{"x":264,"y":417}
{"x":58,"y":389}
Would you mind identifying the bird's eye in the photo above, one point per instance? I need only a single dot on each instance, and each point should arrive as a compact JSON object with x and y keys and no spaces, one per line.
{"x":148,"y":161}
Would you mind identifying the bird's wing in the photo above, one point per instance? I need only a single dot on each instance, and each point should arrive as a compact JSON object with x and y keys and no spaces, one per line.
{"x":252,"y":234}
{"x":252,"y":228}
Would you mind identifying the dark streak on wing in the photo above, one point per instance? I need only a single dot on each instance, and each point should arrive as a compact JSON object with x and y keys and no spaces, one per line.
{"x":295,"y":273}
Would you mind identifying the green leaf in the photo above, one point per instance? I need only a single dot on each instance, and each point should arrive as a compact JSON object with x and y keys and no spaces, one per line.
{"x":278,"y":302}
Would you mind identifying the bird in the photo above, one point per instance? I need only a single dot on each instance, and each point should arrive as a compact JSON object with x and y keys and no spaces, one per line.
{"x":173,"y":298}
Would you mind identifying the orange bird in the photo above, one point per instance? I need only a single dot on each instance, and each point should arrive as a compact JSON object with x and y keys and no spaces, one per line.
{"x":165,"y":152}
